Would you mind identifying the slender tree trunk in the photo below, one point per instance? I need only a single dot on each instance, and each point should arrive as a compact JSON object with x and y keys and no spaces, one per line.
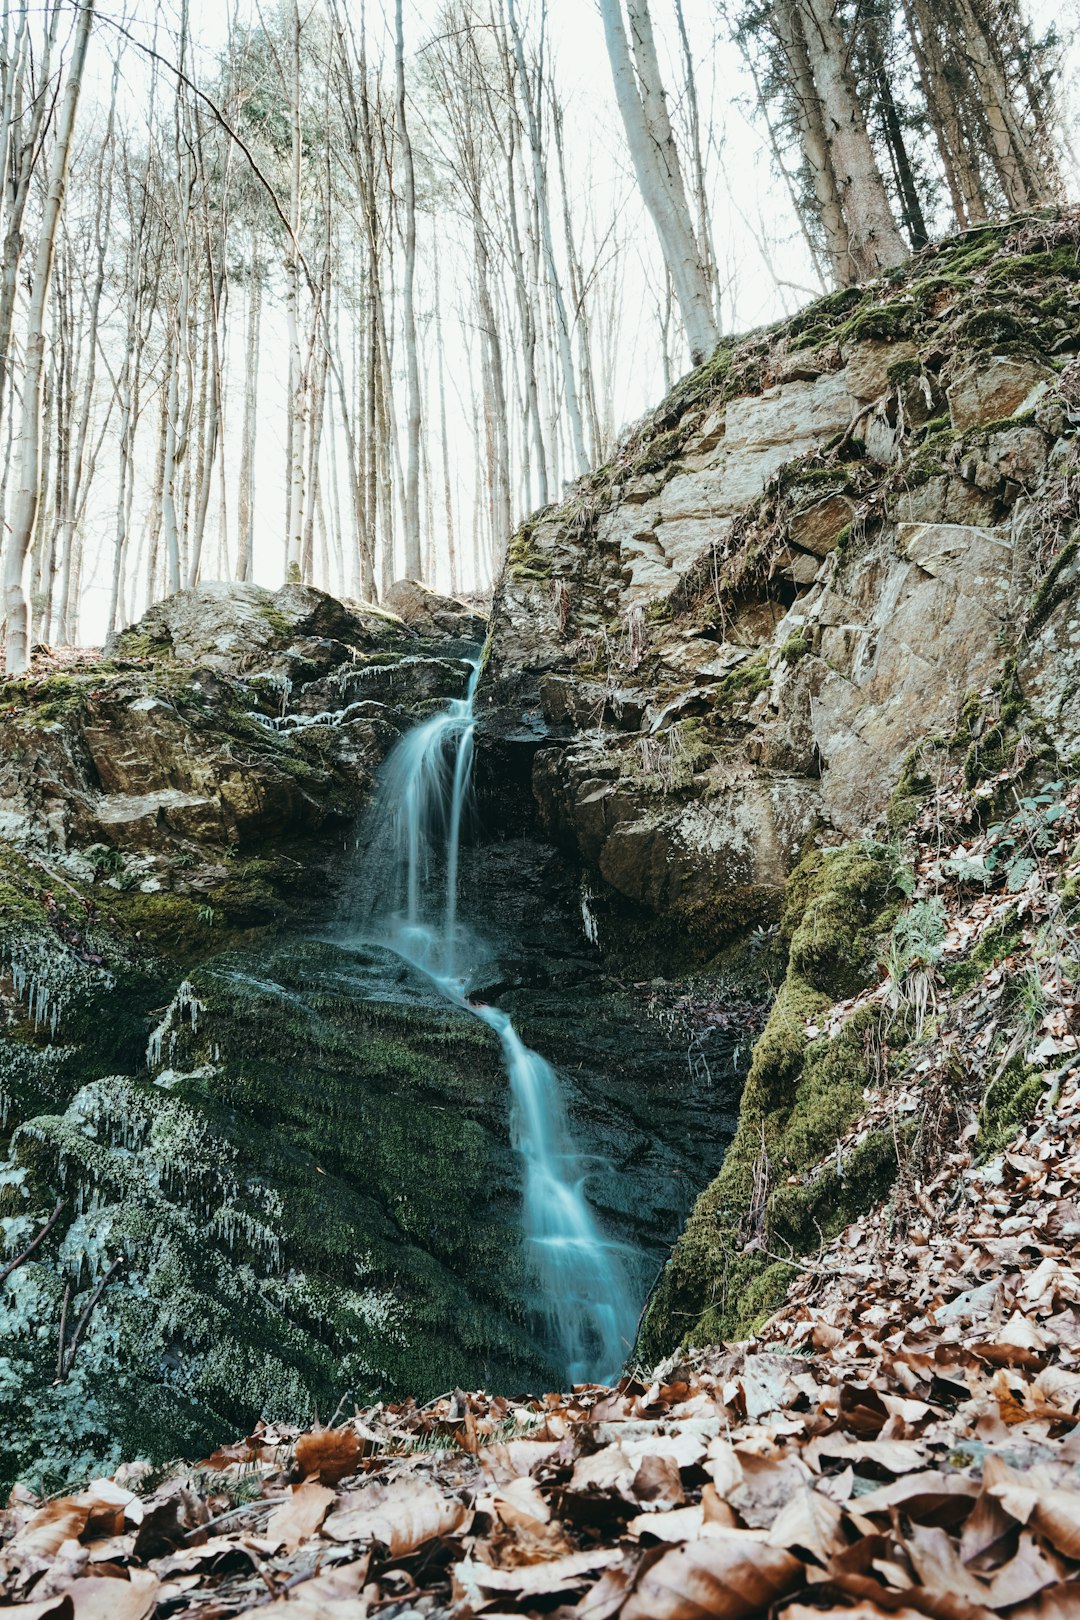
{"x":246,"y":505}
{"x":643,"y":108}
{"x":297,"y":380}
{"x":413,"y":559}
{"x":874,"y":243}
{"x":28,"y":496}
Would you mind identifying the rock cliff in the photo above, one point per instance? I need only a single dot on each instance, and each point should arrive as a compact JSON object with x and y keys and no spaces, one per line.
{"x":836,"y":564}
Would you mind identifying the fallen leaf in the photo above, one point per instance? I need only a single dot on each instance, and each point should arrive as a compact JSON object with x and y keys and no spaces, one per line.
{"x":657,"y":1480}
{"x":401,"y":1516}
{"x":1055,"y":1513}
{"x":534,"y":1580}
{"x":810,"y":1522}
{"x":294,"y":1520}
{"x":329,"y":1454}
{"x":721,"y":1577}
{"x":95,"y":1598}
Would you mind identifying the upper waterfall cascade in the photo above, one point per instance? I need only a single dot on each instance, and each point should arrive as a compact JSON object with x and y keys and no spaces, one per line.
{"x":410,"y":905}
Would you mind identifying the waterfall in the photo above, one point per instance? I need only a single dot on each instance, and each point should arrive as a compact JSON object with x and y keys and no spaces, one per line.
{"x":412,"y":843}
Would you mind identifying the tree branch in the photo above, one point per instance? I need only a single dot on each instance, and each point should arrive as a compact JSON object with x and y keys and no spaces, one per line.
{"x":34,"y":1244}
{"x":233,"y":134}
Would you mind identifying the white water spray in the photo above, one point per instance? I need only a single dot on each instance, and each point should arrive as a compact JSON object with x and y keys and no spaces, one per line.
{"x":414,"y":844}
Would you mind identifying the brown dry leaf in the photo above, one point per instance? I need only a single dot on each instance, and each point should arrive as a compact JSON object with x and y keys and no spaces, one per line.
{"x":45,"y":1533}
{"x":938,"y":1565}
{"x":300,"y":1516}
{"x":96,"y":1598}
{"x":932,"y":1494}
{"x":520,"y":1503}
{"x":658,"y":1481}
{"x":57,"y":1608}
{"x":335,"y":1592}
{"x":330,"y":1454}
{"x":851,"y":1611}
{"x":606,"y":1598}
{"x":1061,"y":1602}
{"x":1025,"y":1575}
{"x":767,"y":1484}
{"x":681,"y":1524}
{"x":219,"y":1550}
{"x":304,"y":1605}
{"x":895,"y":1456}
{"x":1055,"y":1513}
{"x":809,"y":1522}
{"x":473,"y":1579}
{"x":401,"y":1516}
{"x":721,"y":1577}
{"x":607,"y":1470}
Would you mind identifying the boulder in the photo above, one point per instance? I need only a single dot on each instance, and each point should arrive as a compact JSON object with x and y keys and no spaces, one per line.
{"x":867,"y":367}
{"x":430,"y":614}
{"x":995,"y":386}
{"x":817,"y":528}
{"x":238,"y":628}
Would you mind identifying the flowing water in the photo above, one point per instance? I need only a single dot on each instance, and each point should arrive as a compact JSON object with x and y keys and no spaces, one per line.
{"x":412,"y":845}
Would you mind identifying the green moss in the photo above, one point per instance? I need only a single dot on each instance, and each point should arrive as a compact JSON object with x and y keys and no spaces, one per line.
{"x":1020,"y":268}
{"x":909,"y":794}
{"x":838,"y":902}
{"x":1010,"y":1101}
{"x":818,"y":320}
{"x":993,"y":750}
{"x":796,"y":647}
{"x":881,"y":322}
{"x":989,"y":327}
{"x":902,"y":371}
{"x":772,"y":1197}
{"x":744,"y":684}
{"x":281,"y":626}
{"x":1057,"y":584}
{"x":523,"y":560}
{"x":995,"y":945}
{"x":659,"y":453}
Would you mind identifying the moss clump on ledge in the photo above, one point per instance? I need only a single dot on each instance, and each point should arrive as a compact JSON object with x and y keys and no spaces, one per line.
{"x":729,"y":1267}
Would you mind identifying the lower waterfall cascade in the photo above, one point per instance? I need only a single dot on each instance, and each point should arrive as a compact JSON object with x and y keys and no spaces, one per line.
{"x":412,"y":846}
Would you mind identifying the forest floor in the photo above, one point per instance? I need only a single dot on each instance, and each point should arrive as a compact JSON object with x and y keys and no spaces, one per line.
{"x":902,"y":1438}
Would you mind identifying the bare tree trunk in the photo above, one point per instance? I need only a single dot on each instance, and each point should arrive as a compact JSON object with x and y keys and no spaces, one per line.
{"x":873,"y":241}
{"x":28,"y":496}
{"x":413,"y":559}
{"x":246,"y":507}
{"x":297,"y":379}
{"x":644,"y":114}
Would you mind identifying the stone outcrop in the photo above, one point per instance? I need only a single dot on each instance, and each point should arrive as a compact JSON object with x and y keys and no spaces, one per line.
{"x":824,"y":543}
{"x":836,"y":567}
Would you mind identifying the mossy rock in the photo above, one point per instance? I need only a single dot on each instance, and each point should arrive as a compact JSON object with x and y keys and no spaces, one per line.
{"x":800,"y":1096}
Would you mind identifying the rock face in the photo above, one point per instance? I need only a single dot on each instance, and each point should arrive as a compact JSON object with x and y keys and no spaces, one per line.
{"x":837,"y":566}
{"x":298,"y":1153}
{"x":822,"y":546}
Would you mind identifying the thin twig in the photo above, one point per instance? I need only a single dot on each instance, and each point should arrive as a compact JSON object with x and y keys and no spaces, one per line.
{"x":35,"y":1243}
{"x":68,"y":1356}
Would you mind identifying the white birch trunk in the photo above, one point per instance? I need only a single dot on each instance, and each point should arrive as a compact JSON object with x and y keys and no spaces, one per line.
{"x":28,"y":496}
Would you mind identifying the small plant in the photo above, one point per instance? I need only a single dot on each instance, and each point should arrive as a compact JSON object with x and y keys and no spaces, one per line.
{"x":103,"y":858}
{"x":1031,"y":999}
{"x":795,"y":647}
{"x":1018,"y":843}
{"x":206,"y":915}
{"x":915,"y":948}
